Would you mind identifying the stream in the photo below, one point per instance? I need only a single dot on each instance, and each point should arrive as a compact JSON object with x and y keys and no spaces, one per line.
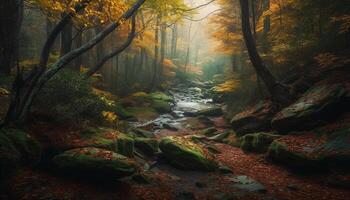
{"x":187,"y":102}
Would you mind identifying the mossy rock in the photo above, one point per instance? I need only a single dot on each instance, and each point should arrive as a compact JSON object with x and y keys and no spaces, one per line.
{"x":143,"y":133}
{"x":280,"y":153}
{"x":103,"y":138}
{"x":220,"y":136}
{"x":161,"y":106}
{"x":147,"y":145}
{"x":185,"y":154}
{"x":93,"y":162}
{"x":319,"y":104}
{"x":122,"y":112}
{"x":126,"y":145}
{"x":161,"y":96}
{"x":257,"y":142}
{"x":209,"y":131}
{"x":143,"y":113}
{"x":213,"y":111}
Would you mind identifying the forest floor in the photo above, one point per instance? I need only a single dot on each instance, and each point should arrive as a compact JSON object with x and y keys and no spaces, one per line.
{"x":253,"y":176}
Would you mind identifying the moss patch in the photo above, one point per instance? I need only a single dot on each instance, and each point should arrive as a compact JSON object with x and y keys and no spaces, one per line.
{"x":257,"y":142}
{"x":184,"y":154}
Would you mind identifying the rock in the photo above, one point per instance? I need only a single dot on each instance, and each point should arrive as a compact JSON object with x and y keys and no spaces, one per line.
{"x":225,"y":170}
{"x":161,"y":96}
{"x":213,"y":149}
{"x":200,"y":184}
{"x":213,"y":111}
{"x":246,"y":183}
{"x":205,"y":120}
{"x":126,"y":146}
{"x":279,"y":152}
{"x":122,"y":112}
{"x":147,"y":145}
{"x":170,"y":127}
{"x":195,"y":90}
{"x":184,"y":154}
{"x":339,"y":181}
{"x":161,"y":106}
{"x":257,"y":142}
{"x":293,"y":187}
{"x":220,"y":137}
{"x":255,"y":119}
{"x":209,"y":131}
{"x":94,"y":163}
{"x":143,"y":133}
{"x":318,"y":104}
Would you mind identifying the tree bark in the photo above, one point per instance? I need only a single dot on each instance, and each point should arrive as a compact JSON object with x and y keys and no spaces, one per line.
{"x":279,"y":93}
{"x":156,"y":54}
{"x":11,"y":14}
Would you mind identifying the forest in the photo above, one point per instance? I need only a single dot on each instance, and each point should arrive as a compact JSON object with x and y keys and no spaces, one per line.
{"x":174,"y":99}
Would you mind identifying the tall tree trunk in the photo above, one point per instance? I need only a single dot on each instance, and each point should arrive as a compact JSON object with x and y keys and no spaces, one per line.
{"x":11,"y":14}
{"x":156,"y":54}
{"x":162,"y":50}
{"x":174,"y":41}
{"x":78,"y":41}
{"x":279,"y":93}
{"x":66,"y":39}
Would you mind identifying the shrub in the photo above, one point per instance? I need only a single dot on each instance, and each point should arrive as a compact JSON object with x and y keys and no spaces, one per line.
{"x":69,"y":96}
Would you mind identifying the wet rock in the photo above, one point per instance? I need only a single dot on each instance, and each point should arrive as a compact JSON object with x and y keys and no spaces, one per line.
{"x":257,"y":142}
{"x":320,"y":103}
{"x":185,"y":154}
{"x":213,"y":111}
{"x":95,"y":163}
{"x":143,"y":133}
{"x":147,"y":145}
{"x":255,"y":119}
{"x":170,"y":127}
{"x":220,"y":136}
{"x":247,"y":183}
{"x":125,"y":145}
{"x":161,"y":106}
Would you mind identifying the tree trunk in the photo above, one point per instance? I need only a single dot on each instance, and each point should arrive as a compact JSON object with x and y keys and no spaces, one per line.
{"x":279,"y":93}
{"x":162,"y":50}
{"x":156,"y":54}
{"x":78,"y":41}
{"x":66,"y":39}
{"x":11,"y":14}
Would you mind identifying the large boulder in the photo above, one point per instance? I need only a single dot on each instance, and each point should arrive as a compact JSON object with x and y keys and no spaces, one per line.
{"x":255,"y":119}
{"x":296,"y":159}
{"x":185,"y":154}
{"x":102,"y":138}
{"x":257,"y":142}
{"x":147,"y":145}
{"x":319,"y":104}
{"x":212,"y":111}
{"x":93,"y":162}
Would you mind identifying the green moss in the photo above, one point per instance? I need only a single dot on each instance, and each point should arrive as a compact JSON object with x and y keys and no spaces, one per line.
{"x":143,"y":113}
{"x":27,"y":146}
{"x":147,"y":145}
{"x":257,"y":142}
{"x":95,"y":162}
{"x":187,"y":155}
{"x":126,"y":145}
{"x":161,"y":96}
{"x":161,"y":106}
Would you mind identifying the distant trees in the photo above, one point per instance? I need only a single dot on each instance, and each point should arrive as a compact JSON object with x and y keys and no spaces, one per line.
{"x":27,"y":86}
{"x":11,"y":12}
